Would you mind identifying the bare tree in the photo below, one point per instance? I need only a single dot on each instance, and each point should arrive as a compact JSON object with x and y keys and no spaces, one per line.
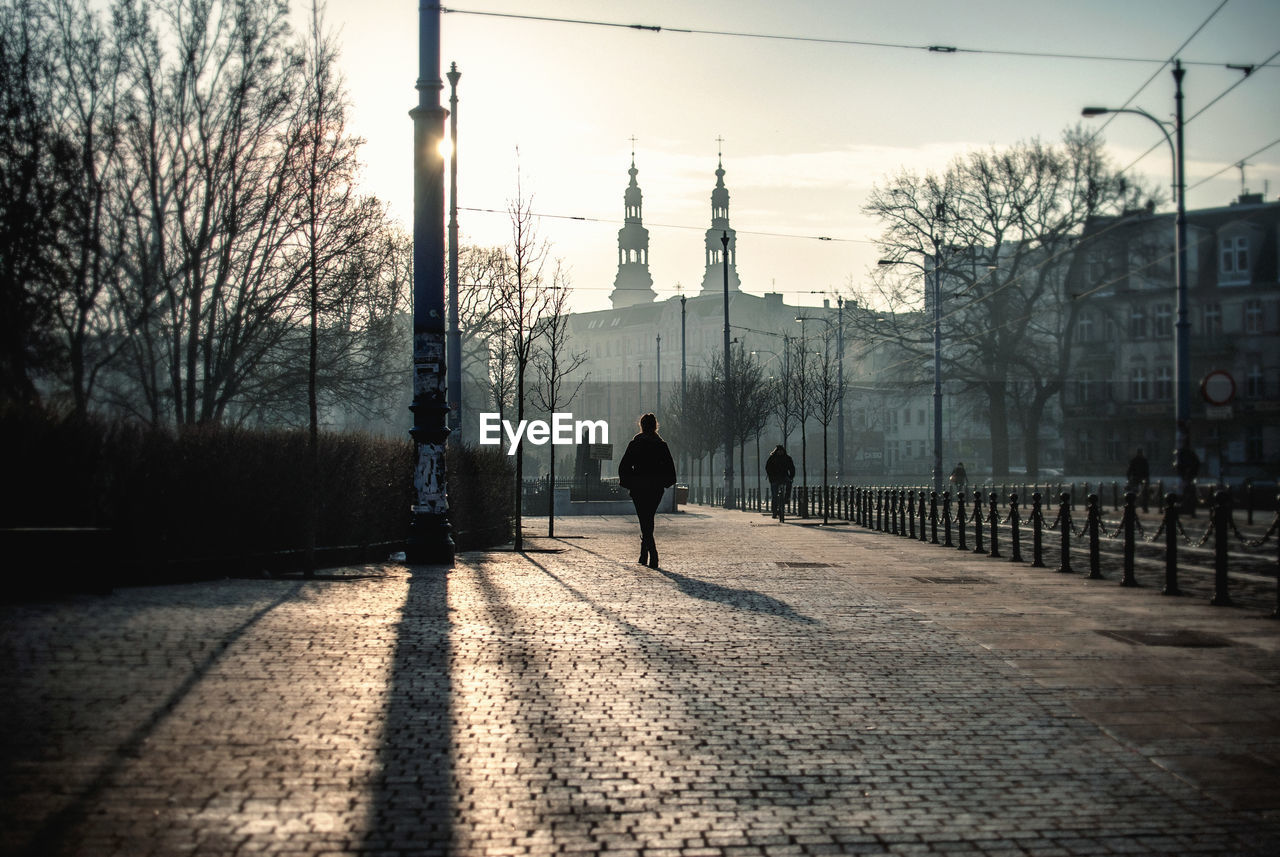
{"x":209,"y":288}
{"x":828,"y":393}
{"x":37,"y":167}
{"x":87,"y":73}
{"x":555,"y":366}
{"x":994,"y":229}
{"x":525,"y":299}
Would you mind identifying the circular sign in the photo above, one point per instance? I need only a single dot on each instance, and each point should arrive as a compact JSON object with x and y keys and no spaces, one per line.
{"x":1218,"y":387}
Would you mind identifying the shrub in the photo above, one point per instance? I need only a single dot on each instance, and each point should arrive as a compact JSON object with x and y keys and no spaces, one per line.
{"x":216,"y":499}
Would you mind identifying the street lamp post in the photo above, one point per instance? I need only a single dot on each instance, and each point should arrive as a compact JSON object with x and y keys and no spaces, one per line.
{"x":1182,"y":329}
{"x":840,"y":382}
{"x":658,"y":407}
{"x":728,"y":399}
{"x":429,"y":539}
{"x":453,"y":352}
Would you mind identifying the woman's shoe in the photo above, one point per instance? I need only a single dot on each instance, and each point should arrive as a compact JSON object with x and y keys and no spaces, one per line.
{"x":644,"y":553}
{"x":653,"y":557}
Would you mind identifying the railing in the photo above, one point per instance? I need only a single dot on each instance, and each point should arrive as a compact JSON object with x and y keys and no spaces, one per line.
{"x":989,"y":521}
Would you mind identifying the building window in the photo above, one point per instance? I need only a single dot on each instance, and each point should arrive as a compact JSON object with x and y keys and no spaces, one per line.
{"x":1139,"y":386}
{"x":906,"y":416}
{"x":1212,"y":315}
{"x":1084,"y":445}
{"x":1163,"y":388}
{"x":1137,"y":323}
{"x":920,"y":416}
{"x":1253,"y":444}
{"x":1084,"y":387}
{"x":1115,"y":447}
{"x":1162,"y":321}
{"x":1253,"y":381}
{"x":1084,"y":327}
{"x":1253,"y":316}
{"x":1235,"y":255}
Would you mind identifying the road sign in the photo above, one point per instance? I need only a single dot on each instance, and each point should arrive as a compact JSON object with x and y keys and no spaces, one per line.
{"x":1218,"y":387}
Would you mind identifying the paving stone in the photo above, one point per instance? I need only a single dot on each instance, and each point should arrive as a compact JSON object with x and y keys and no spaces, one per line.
{"x":772,"y":689}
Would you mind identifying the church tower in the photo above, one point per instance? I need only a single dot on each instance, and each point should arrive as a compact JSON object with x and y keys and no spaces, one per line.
{"x":713,"y":279}
{"x":633,"y":285}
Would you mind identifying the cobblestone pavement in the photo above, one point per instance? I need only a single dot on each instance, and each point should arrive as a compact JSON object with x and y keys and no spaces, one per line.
{"x":772,"y":689}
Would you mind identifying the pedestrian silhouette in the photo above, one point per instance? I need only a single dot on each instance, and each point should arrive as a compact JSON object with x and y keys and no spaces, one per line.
{"x":780,"y":470}
{"x":646,"y":470}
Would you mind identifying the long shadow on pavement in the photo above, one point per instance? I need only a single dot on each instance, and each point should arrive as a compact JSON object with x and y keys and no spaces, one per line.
{"x":741,"y":599}
{"x":412,"y":809}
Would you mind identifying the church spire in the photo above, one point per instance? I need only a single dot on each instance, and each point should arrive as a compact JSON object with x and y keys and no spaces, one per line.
{"x":633,"y":285}
{"x":713,"y":279}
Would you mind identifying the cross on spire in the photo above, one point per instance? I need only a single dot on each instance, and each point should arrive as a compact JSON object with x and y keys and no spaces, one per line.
{"x":719,"y":147}
{"x":632,"y":138}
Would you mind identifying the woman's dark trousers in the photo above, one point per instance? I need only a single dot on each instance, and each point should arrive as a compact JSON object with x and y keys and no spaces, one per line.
{"x":646,"y":503}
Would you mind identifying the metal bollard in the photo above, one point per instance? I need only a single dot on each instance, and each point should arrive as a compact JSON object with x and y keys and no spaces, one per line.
{"x":1115,"y":495}
{"x":1146,"y":497}
{"x":1094,"y":522}
{"x":933,"y":515}
{"x":1064,"y":520}
{"x":1037,"y":531}
{"x":923,"y":513}
{"x":977,"y":523}
{"x":993,"y":520}
{"x":904,"y":512}
{"x":1171,"y":546}
{"x":1130,"y":520}
{"x":960,"y":499}
{"x":1014,"y":538}
{"x":911,"y":512}
{"x":946,"y":519}
{"x":1221,"y":533}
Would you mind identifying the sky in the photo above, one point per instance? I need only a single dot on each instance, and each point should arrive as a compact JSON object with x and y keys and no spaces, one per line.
{"x":807,"y":128}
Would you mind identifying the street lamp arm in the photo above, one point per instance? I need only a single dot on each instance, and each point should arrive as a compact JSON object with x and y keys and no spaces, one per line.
{"x":1137,"y":111}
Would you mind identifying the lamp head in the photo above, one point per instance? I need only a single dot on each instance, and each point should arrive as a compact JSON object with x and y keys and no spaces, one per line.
{"x":1095,"y":111}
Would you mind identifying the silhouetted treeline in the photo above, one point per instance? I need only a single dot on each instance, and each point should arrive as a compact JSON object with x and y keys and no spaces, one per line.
{"x":182,"y":237}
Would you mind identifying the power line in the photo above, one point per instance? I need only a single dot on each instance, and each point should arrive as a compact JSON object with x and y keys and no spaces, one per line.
{"x":1229,"y":166}
{"x":1163,"y":64}
{"x":937,"y":49}
{"x":615,"y":222}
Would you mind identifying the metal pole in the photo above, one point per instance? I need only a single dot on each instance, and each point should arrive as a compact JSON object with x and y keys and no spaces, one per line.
{"x":453,"y":353}
{"x":840,"y":383}
{"x":658,"y":405}
{"x":684,"y":385}
{"x":1182,"y":332}
{"x":429,"y":539}
{"x":937,"y":372}
{"x":728,"y":402}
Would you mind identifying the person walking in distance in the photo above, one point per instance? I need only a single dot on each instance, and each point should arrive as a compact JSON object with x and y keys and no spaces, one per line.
{"x":780,"y":470}
{"x":1139,"y":472}
{"x":646,"y":470}
{"x":959,"y":478}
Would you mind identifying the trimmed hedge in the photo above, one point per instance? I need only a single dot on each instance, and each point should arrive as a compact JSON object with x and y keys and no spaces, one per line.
{"x":237,"y":497}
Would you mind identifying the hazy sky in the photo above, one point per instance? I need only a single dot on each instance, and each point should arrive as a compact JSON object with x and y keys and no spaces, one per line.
{"x":808,"y":128}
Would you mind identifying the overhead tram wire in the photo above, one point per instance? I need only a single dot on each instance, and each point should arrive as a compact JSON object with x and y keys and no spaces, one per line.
{"x":1163,"y":64}
{"x":862,"y":43}
{"x":615,"y":222}
{"x":1274,"y":142}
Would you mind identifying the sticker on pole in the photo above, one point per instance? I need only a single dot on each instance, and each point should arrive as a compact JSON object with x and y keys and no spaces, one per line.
{"x":1218,"y":388}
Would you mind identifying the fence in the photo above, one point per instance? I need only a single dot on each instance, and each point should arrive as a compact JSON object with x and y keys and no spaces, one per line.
{"x":993,"y":519}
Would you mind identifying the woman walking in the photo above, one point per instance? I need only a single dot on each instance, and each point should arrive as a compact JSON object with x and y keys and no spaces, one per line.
{"x":646,"y":470}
